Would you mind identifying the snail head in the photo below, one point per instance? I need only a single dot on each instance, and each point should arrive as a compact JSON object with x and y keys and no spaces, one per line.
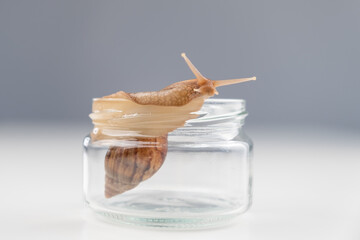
{"x":208,"y":87}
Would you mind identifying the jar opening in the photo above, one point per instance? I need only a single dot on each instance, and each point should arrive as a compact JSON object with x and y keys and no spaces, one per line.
{"x":219,"y":109}
{"x":217,"y":119}
{"x":116,"y":118}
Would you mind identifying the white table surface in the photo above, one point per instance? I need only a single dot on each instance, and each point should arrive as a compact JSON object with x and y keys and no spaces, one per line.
{"x":307,"y":186}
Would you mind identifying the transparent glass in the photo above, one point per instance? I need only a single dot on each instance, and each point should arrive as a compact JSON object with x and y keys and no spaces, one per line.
{"x":205,"y":180}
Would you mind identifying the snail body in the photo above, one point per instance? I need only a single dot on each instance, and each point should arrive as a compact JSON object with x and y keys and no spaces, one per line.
{"x":147,"y":117}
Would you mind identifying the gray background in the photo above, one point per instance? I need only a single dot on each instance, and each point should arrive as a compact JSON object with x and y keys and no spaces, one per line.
{"x":56,"y":55}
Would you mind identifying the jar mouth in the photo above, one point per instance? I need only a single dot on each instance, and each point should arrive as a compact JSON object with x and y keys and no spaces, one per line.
{"x":220,"y":109}
{"x":121,"y":118}
{"x":217,"y":108}
{"x":217,"y":119}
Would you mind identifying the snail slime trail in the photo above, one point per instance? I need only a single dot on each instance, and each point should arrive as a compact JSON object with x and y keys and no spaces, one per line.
{"x":146,"y":117}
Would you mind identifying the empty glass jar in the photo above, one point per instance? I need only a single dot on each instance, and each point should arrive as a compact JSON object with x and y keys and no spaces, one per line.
{"x":204,"y":181}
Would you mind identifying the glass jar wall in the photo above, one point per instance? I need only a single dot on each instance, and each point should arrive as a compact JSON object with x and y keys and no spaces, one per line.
{"x":203,"y":181}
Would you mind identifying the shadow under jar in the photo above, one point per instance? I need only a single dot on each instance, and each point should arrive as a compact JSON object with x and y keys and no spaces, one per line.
{"x":205,"y":180}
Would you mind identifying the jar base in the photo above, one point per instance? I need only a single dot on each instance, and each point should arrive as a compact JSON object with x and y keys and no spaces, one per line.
{"x":170,"y":210}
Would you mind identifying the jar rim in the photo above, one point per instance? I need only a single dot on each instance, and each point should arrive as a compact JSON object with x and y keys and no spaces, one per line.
{"x":220,"y":108}
{"x":217,"y":119}
{"x":230,"y":107}
{"x":215,"y":113}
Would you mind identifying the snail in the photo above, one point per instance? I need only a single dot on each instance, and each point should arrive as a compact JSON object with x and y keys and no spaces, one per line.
{"x":146,"y":117}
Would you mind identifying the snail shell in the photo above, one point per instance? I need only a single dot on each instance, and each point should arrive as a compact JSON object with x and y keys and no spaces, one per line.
{"x":126,"y":167}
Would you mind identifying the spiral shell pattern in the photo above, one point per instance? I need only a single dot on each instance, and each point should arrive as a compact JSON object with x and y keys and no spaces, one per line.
{"x":126,"y":167}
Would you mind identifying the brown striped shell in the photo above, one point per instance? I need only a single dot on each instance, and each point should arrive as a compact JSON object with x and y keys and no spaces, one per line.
{"x":126,"y":167}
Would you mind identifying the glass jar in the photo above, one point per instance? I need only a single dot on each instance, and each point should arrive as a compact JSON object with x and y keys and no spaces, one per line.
{"x":205,"y":180}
